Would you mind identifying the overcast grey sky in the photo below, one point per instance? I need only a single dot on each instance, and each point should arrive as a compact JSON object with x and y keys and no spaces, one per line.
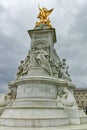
{"x":69,"y":18}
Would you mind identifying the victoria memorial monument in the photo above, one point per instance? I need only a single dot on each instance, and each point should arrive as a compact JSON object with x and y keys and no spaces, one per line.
{"x":41,"y":97}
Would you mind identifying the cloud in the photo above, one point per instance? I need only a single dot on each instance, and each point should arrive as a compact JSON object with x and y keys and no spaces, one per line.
{"x":74,"y":47}
{"x":70,"y":20}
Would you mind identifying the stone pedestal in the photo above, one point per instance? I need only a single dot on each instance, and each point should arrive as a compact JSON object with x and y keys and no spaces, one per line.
{"x":43,"y":100}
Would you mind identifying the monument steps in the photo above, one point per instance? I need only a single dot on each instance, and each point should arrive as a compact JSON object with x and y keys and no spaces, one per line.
{"x":69,"y":127}
{"x":39,"y":122}
{"x":35,"y":112}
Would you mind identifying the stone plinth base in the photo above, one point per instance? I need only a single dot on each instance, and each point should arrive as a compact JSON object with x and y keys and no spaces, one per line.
{"x":37,"y":105}
{"x":70,"y":127}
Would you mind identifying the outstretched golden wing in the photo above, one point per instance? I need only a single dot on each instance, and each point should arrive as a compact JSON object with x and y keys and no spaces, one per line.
{"x":48,"y":12}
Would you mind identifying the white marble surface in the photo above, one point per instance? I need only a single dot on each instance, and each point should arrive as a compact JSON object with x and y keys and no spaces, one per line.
{"x":69,"y":127}
{"x":44,"y":101}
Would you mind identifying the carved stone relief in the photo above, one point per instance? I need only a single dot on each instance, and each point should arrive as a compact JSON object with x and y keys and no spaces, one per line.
{"x":40,"y":56}
{"x":24,"y":67}
{"x":66,"y":98}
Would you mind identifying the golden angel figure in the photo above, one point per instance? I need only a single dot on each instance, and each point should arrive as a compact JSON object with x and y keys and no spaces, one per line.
{"x":43,"y":16}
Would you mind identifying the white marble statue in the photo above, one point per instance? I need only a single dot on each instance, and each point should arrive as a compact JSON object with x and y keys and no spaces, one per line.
{"x":8,"y":97}
{"x":20,"y":70}
{"x":66,"y":98}
{"x":5,"y":99}
{"x":41,"y":58}
{"x":24,"y":67}
{"x":64,"y":70}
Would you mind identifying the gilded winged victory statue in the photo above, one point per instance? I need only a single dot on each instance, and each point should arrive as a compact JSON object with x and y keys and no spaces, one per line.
{"x":43,"y":16}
